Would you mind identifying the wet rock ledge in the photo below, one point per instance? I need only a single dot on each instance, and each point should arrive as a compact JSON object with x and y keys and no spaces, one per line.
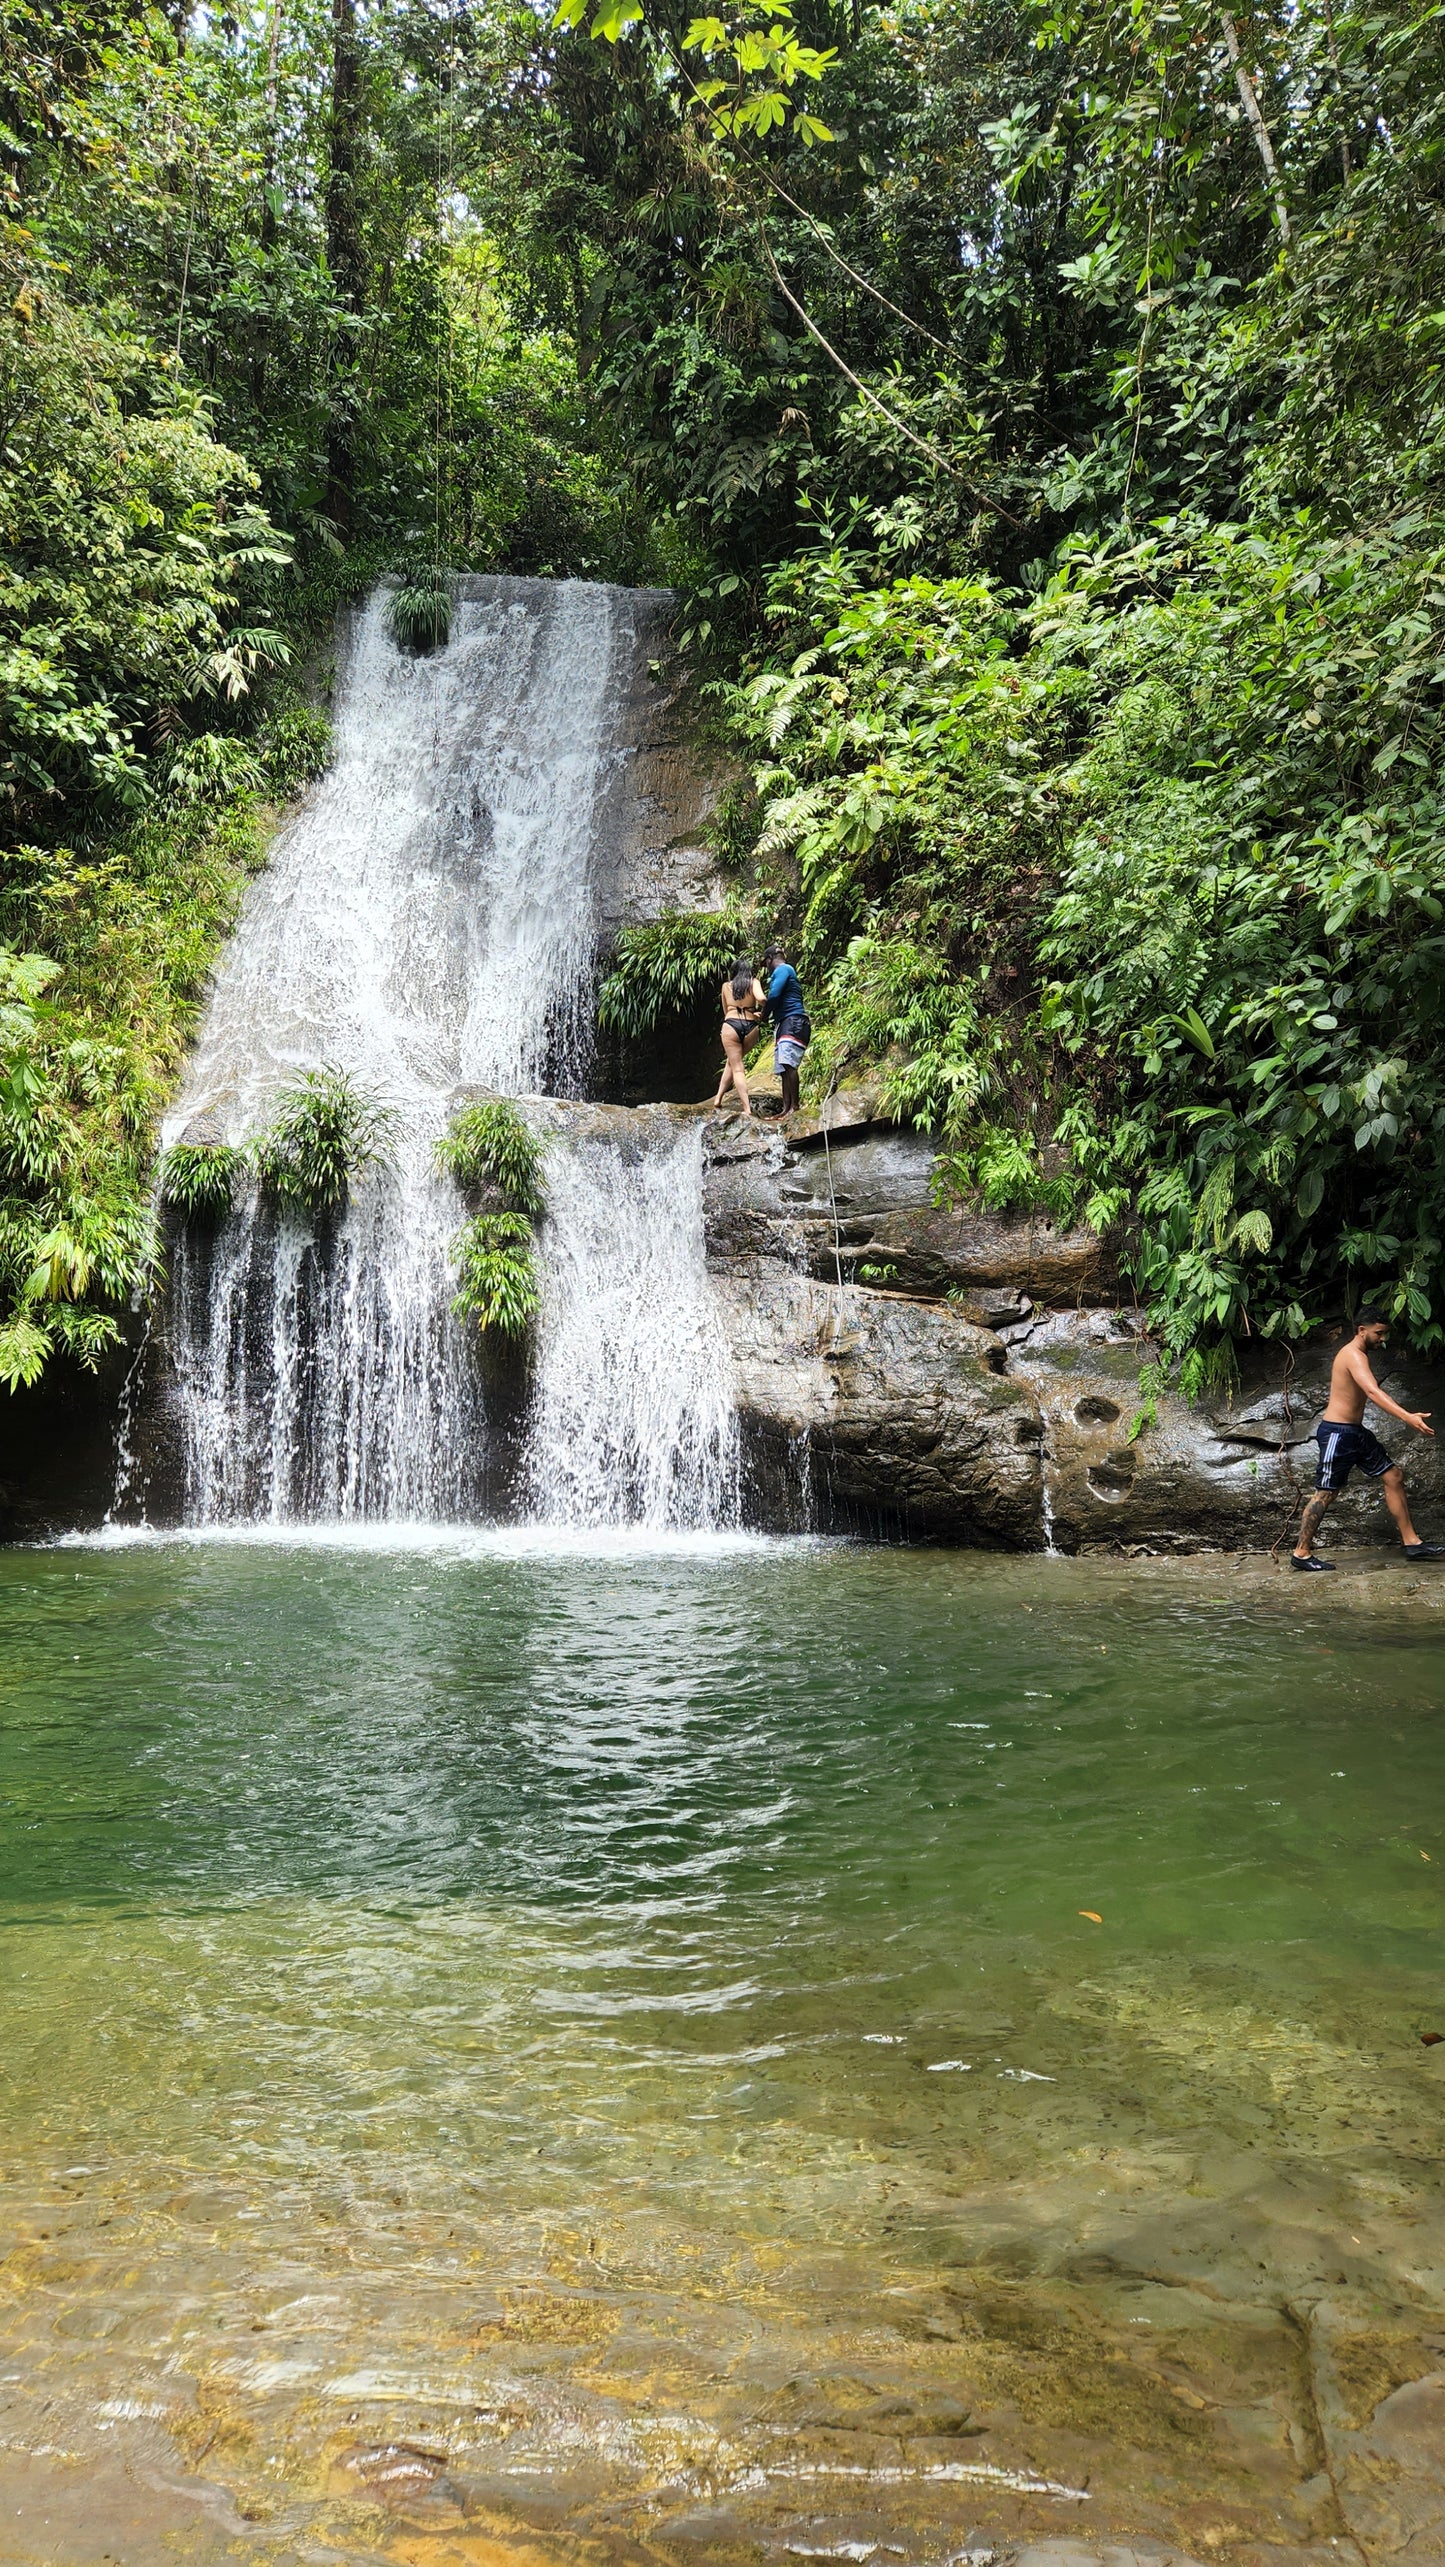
{"x":964,"y":1376}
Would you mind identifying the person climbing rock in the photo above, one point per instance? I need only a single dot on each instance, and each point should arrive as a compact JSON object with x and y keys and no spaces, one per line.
{"x":742,"y":1009}
{"x":1346,"y":1444}
{"x":792,"y":1031}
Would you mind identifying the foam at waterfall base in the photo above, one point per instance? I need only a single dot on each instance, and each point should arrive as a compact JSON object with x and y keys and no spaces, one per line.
{"x":499,"y":1542}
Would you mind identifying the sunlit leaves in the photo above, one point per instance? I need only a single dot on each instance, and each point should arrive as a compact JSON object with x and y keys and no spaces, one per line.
{"x":74,"y":1232}
{"x":498,"y":1286}
{"x":490,"y":1144}
{"x":751,"y":63}
{"x":325,"y":1132}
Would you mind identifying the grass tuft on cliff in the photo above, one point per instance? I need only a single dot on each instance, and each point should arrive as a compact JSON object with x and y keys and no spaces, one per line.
{"x":491,"y":1144}
{"x":495,"y":1256}
{"x":325,"y":1133}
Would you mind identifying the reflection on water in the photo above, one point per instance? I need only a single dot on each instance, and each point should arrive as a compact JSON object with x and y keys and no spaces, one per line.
{"x":632,"y":2021}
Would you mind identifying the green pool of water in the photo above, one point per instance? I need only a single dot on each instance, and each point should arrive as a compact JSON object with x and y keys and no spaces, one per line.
{"x":706,"y":1924}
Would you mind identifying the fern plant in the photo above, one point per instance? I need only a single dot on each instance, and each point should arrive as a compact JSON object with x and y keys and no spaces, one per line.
{"x":497,"y":1273}
{"x":325,"y":1133}
{"x":199,"y":1178}
{"x":419,"y":610}
{"x":664,"y":965}
{"x":490,"y":1144}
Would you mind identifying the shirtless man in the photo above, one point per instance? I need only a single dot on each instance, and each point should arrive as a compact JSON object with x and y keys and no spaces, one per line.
{"x":1346,"y":1445}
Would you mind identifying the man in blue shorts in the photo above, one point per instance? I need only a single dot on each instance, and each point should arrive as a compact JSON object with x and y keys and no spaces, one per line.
{"x":1346,"y":1444}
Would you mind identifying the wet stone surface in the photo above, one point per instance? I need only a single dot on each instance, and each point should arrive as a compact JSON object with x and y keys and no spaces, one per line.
{"x":1116,"y":1466}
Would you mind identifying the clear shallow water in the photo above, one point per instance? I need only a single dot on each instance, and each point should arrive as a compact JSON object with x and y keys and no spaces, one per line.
{"x":699,"y":1923}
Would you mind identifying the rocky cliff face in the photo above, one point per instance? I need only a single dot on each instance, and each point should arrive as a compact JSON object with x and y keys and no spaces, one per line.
{"x":967,"y":1377}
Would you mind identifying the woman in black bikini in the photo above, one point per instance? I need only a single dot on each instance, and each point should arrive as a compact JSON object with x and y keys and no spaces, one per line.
{"x":742,"y":1007}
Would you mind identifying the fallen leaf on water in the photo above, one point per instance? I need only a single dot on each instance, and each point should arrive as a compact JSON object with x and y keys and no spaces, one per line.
{"x":1424,"y":1857}
{"x":1095,"y":1918}
{"x":1432,"y":2040}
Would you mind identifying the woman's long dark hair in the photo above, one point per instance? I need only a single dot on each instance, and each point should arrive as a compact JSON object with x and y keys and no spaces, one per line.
{"x":742,"y":980}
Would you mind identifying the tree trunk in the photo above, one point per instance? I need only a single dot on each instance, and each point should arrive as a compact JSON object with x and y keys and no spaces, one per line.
{"x":1339,"y":92}
{"x":268,"y":166}
{"x":1254,"y":114}
{"x":343,"y":252}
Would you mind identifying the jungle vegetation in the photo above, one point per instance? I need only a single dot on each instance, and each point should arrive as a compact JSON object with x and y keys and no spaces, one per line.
{"x":496,"y":1161}
{"x":1037,"y":406}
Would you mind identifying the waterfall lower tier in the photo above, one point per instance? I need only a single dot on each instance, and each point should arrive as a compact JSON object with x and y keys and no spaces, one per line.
{"x":634,"y":1412}
{"x":319,"y":1374}
{"x":318,"y":1370}
{"x":429,"y":925}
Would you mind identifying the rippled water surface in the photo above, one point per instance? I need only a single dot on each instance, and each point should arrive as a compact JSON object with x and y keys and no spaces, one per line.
{"x":531,"y":2007}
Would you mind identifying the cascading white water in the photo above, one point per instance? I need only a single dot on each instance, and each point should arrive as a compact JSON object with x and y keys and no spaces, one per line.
{"x":429,"y":924}
{"x":429,"y":920}
{"x":634,"y":1418}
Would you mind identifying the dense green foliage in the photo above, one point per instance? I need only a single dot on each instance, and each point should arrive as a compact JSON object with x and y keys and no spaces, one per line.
{"x":665,"y":965}
{"x":1131,"y":902}
{"x":92,"y":1031}
{"x":495,"y":1257}
{"x":1081,"y":625}
{"x":199,"y":1178}
{"x":1039,"y":406}
{"x":491,"y":1151}
{"x":490,"y":1144}
{"x":325,"y":1133}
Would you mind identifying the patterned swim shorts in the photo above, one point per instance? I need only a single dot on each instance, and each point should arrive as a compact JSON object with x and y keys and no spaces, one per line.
{"x":787,"y":1052}
{"x":1349,"y":1448}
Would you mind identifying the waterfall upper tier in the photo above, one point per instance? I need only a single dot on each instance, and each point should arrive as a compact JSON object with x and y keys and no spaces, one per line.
{"x":431,"y":918}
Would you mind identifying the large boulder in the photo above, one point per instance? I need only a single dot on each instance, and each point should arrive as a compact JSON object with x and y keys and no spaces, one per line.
{"x":879,"y":1411}
{"x":856,"y":1202}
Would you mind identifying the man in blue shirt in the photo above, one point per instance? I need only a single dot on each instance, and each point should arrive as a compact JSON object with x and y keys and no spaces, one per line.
{"x":792,"y":1031}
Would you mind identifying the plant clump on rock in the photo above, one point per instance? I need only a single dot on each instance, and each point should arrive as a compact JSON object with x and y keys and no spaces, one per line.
{"x":419,"y":611}
{"x":490,"y":1144}
{"x":199,"y":1178}
{"x":490,"y":1149}
{"x":326,"y":1131}
{"x":495,"y":1255}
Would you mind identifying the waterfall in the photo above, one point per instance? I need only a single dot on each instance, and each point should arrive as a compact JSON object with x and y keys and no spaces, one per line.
{"x":429,"y":919}
{"x":429,"y":924}
{"x":634,"y":1417}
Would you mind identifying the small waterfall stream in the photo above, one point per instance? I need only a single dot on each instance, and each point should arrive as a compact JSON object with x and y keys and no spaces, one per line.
{"x":633,"y":1419}
{"x":429,"y":924}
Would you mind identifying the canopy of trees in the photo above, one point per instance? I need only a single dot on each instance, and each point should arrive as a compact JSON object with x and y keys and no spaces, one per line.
{"x":1037,"y":407}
